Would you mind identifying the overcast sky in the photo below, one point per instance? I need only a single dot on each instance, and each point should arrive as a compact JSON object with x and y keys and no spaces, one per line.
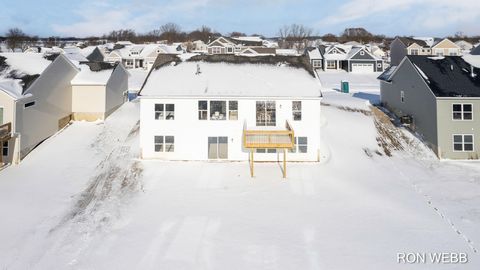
{"x":94,"y":17}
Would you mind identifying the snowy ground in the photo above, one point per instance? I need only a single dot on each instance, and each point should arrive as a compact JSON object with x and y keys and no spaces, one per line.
{"x":83,"y":200}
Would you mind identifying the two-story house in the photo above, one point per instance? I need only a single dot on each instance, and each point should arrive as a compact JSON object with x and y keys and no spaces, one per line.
{"x":439,"y":98}
{"x":403,"y":46}
{"x":221,"y":111}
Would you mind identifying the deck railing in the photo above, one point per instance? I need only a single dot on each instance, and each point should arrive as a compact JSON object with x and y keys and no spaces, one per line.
{"x":5,"y":131}
{"x":273,"y":139}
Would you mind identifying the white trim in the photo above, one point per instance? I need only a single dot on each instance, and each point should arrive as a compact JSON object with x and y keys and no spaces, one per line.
{"x":463,"y":143}
{"x":462,"y":112}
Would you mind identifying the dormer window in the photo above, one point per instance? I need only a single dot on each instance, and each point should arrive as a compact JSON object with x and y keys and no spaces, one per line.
{"x":362,"y":53}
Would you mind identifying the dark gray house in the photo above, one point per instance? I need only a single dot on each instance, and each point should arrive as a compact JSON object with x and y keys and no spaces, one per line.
{"x":96,"y":56}
{"x":360,"y":60}
{"x":475,"y":51}
{"x":403,"y":46}
{"x":440,"y":98}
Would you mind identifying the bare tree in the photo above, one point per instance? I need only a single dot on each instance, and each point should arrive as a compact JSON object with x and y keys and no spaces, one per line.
{"x":204,"y":34}
{"x":294,"y":36}
{"x":122,"y":34}
{"x":172,"y":32}
{"x":16,"y":38}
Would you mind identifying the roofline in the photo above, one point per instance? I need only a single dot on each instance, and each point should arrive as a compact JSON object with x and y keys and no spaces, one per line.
{"x":420,"y":75}
{"x":49,"y":67}
{"x":232,"y":97}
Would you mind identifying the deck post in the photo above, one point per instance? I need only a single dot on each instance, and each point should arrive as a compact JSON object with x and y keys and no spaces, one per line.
{"x":284,"y":163}
{"x":251,"y":163}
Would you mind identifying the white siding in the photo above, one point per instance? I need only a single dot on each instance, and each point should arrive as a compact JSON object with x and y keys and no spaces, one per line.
{"x":191,"y":134}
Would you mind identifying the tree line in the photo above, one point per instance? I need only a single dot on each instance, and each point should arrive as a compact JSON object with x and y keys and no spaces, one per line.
{"x":294,"y":36}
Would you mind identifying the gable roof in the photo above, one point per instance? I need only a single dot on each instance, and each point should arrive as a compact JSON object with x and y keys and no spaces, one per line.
{"x":448,"y":76}
{"x":409,"y":41}
{"x":445,"y":40}
{"x":476,"y":50}
{"x":96,"y":55}
{"x":95,"y":73}
{"x":356,"y":50}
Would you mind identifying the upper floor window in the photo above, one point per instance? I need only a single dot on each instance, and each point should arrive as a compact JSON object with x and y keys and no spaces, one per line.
{"x":218,"y":110}
{"x":164,"y":111}
{"x":5,"y":149}
{"x":462,"y":111}
{"x":463,"y":143}
{"x":414,"y":52}
{"x":266,"y":113}
{"x":202,"y":110}
{"x":297,"y":110}
{"x":233,"y":110}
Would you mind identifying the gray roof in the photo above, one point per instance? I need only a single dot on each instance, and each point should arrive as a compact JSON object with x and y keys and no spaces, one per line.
{"x":476,"y":50}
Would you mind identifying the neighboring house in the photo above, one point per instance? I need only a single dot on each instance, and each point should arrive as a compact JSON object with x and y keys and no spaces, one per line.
{"x":141,"y":56}
{"x":257,"y":51}
{"x":355,"y":59}
{"x":440,"y":100}
{"x":445,"y":47}
{"x":199,"y":46}
{"x":224,"y":111}
{"x":360,"y":60}
{"x":465,"y":46}
{"x":222,"y":45}
{"x":315,"y":57}
{"x":475,"y":50}
{"x":98,"y":90}
{"x":334,"y":56}
{"x":39,"y":97}
{"x":402,"y":46}
{"x":37,"y":104}
{"x":96,"y":55}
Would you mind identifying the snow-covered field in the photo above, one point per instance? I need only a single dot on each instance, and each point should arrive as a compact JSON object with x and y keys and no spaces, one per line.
{"x":83,"y":200}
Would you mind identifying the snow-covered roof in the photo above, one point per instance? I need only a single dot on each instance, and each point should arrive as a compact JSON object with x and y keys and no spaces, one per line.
{"x":12,"y":88}
{"x":21,"y":64}
{"x":473,"y":60}
{"x":230,"y":80}
{"x":249,"y":38}
{"x":314,"y":54}
{"x":287,"y":52}
{"x":88,"y":77}
{"x":26,"y":63}
{"x":136,"y":79}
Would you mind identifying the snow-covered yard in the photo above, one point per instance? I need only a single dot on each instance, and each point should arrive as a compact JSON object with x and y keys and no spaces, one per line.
{"x":83,"y":200}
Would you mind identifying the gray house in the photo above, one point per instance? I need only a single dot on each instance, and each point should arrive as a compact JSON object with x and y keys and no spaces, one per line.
{"x":359,"y":59}
{"x":403,"y":46}
{"x":439,"y":97}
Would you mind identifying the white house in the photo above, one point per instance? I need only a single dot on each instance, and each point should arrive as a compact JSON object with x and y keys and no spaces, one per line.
{"x":98,"y":90}
{"x":37,"y":104}
{"x":39,"y":97}
{"x":141,"y":56}
{"x":220,"y":111}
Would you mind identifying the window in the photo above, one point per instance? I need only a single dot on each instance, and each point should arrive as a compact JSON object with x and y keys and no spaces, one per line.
{"x":402,"y":96}
{"x":266,"y":113}
{"x":164,"y":143}
{"x":439,"y":53}
{"x":230,"y":49}
{"x":29,"y":104}
{"x":362,"y":53}
{"x":217,"y":147}
{"x":462,"y":111}
{"x":379,"y":65}
{"x":317,"y":63}
{"x":202,"y":110}
{"x":463,"y":143}
{"x":263,"y":150}
{"x":301,"y":145}
{"x":129,"y":62}
{"x":164,"y":111}
{"x":5,"y":149}
{"x":233,"y":110}
{"x":297,"y":110}
{"x":170,"y":111}
{"x":216,"y":50}
{"x":159,"y":112}
{"x":331,"y":64}
{"x":414,"y":52}
{"x":218,"y":110}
